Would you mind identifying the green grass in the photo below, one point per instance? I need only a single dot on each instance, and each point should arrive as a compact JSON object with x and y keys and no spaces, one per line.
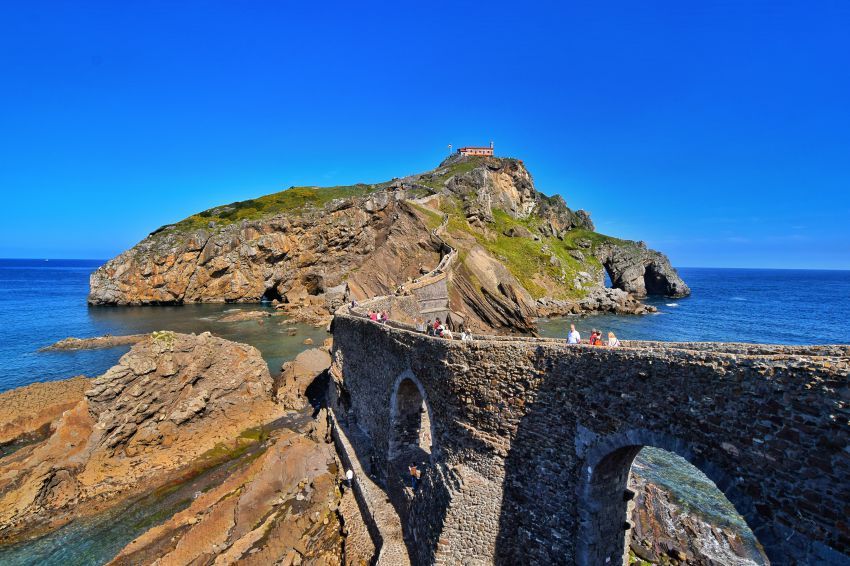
{"x":438,"y":181}
{"x":432,"y":219}
{"x":290,"y":200}
{"x":529,"y":260}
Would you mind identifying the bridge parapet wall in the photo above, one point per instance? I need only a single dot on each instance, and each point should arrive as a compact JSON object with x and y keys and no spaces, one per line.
{"x":523,"y":430}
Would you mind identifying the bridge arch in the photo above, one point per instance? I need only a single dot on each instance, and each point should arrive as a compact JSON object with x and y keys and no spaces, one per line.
{"x":603,"y":494}
{"x":411,"y":429}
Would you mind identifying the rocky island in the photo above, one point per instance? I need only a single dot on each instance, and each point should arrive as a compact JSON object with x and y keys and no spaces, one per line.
{"x":508,"y":252}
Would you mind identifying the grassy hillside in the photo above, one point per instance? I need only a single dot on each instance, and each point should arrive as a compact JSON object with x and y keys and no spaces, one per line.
{"x":545,"y":266}
{"x":293,"y":199}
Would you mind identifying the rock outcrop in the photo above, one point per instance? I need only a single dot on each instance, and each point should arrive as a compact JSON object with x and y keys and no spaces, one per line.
{"x":29,"y":412}
{"x":666,"y":533}
{"x":297,"y":375}
{"x":107,"y":341}
{"x":174,"y":402}
{"x":641,"y":271}
{"x":279,"y":509}
{"x":288,"y":257}
{"x":518,"y":252}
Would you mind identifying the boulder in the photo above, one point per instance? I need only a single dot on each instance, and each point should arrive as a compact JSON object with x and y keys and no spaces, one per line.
{"x":297,"y":375}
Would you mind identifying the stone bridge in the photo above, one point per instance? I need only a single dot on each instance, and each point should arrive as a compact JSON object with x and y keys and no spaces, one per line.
{"x":527,"y":443}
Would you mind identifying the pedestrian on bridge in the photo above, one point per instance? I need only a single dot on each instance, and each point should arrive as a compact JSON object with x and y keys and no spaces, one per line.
{"x":573,"y":337}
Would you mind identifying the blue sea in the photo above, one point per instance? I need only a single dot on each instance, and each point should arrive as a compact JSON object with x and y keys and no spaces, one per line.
{"x":42,"y":302}
{"x":767,"y":306}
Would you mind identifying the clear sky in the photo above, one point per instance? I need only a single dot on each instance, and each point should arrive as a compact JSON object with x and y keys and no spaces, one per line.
{"x":719,"y":132}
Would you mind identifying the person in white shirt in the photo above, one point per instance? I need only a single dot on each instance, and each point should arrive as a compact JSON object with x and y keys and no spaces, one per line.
{"x":613,"y":341}
{"x":573,"y":337}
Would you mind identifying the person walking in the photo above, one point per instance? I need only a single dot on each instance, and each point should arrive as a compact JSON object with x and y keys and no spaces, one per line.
{"x":573,"y":337}
{"x":414,"y":475}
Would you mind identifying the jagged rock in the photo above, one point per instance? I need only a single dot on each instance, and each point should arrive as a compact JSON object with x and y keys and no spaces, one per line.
{"x":169,"y":400}
{"x":28,"y":412}
{"x":106,"y":341}
{"x":244,"y":315}
{"x":260,"y":515}
{"x":286,"y":257}
{"x":641,"y":271}
{"x":518,"y":232}
{"x":664,"y":528}
{"x":298,"y":374}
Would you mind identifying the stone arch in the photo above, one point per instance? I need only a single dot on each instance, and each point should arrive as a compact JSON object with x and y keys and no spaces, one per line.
{"x":411,"y":432}
{"x":603,"y":495}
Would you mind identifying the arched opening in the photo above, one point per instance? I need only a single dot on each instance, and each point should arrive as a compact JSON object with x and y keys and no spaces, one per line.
{"x":410,"y":436}
{"x":608,"y":278}
{"x":640,"y":504}
{"x":655,"y":281}
{"x":271,"y":294}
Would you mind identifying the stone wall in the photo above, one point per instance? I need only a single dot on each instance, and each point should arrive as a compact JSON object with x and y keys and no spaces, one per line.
{"x":532,"y":440}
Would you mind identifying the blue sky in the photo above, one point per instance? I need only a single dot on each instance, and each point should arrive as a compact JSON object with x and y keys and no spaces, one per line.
{"x":719,"y":132}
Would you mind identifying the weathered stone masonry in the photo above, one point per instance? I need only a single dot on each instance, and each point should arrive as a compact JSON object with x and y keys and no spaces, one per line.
{"x":532,"y":440}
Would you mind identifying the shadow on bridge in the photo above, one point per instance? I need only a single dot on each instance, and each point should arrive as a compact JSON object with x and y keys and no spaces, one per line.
{"x":565,"y":491}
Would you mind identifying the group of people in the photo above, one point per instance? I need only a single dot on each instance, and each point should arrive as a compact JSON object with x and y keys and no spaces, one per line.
{"x":376,"y":316}
{"x":595,"y":338}
{"x":439,"y":329}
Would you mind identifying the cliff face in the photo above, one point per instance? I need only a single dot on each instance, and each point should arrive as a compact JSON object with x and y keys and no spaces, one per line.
{"x":519,"y":253}
{"x":285,"y":257}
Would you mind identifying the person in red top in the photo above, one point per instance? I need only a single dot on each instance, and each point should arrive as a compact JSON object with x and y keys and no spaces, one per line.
{"x":595,"y":338}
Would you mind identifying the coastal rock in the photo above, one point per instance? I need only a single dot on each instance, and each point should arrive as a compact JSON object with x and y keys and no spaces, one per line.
{"x":665,"y":530}
{"x":170,"y":400}
{"x":27,"y":413}
{"x":291,"y":257}
{"x":242,"y":316}
{"x":279,"y":508}
{"x":597,"y":300}
{"x":297,"y":375}
{"x":638,"y":270}
{"x":106,"y":341}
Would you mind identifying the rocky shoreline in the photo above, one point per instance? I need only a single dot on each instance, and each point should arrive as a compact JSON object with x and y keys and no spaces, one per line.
{"x":106,"y":341}
{"x":175,"y":406}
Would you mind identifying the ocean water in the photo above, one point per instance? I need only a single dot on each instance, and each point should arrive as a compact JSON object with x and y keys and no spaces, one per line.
{"x":773,"y":306}
{"x":42,"y":302}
